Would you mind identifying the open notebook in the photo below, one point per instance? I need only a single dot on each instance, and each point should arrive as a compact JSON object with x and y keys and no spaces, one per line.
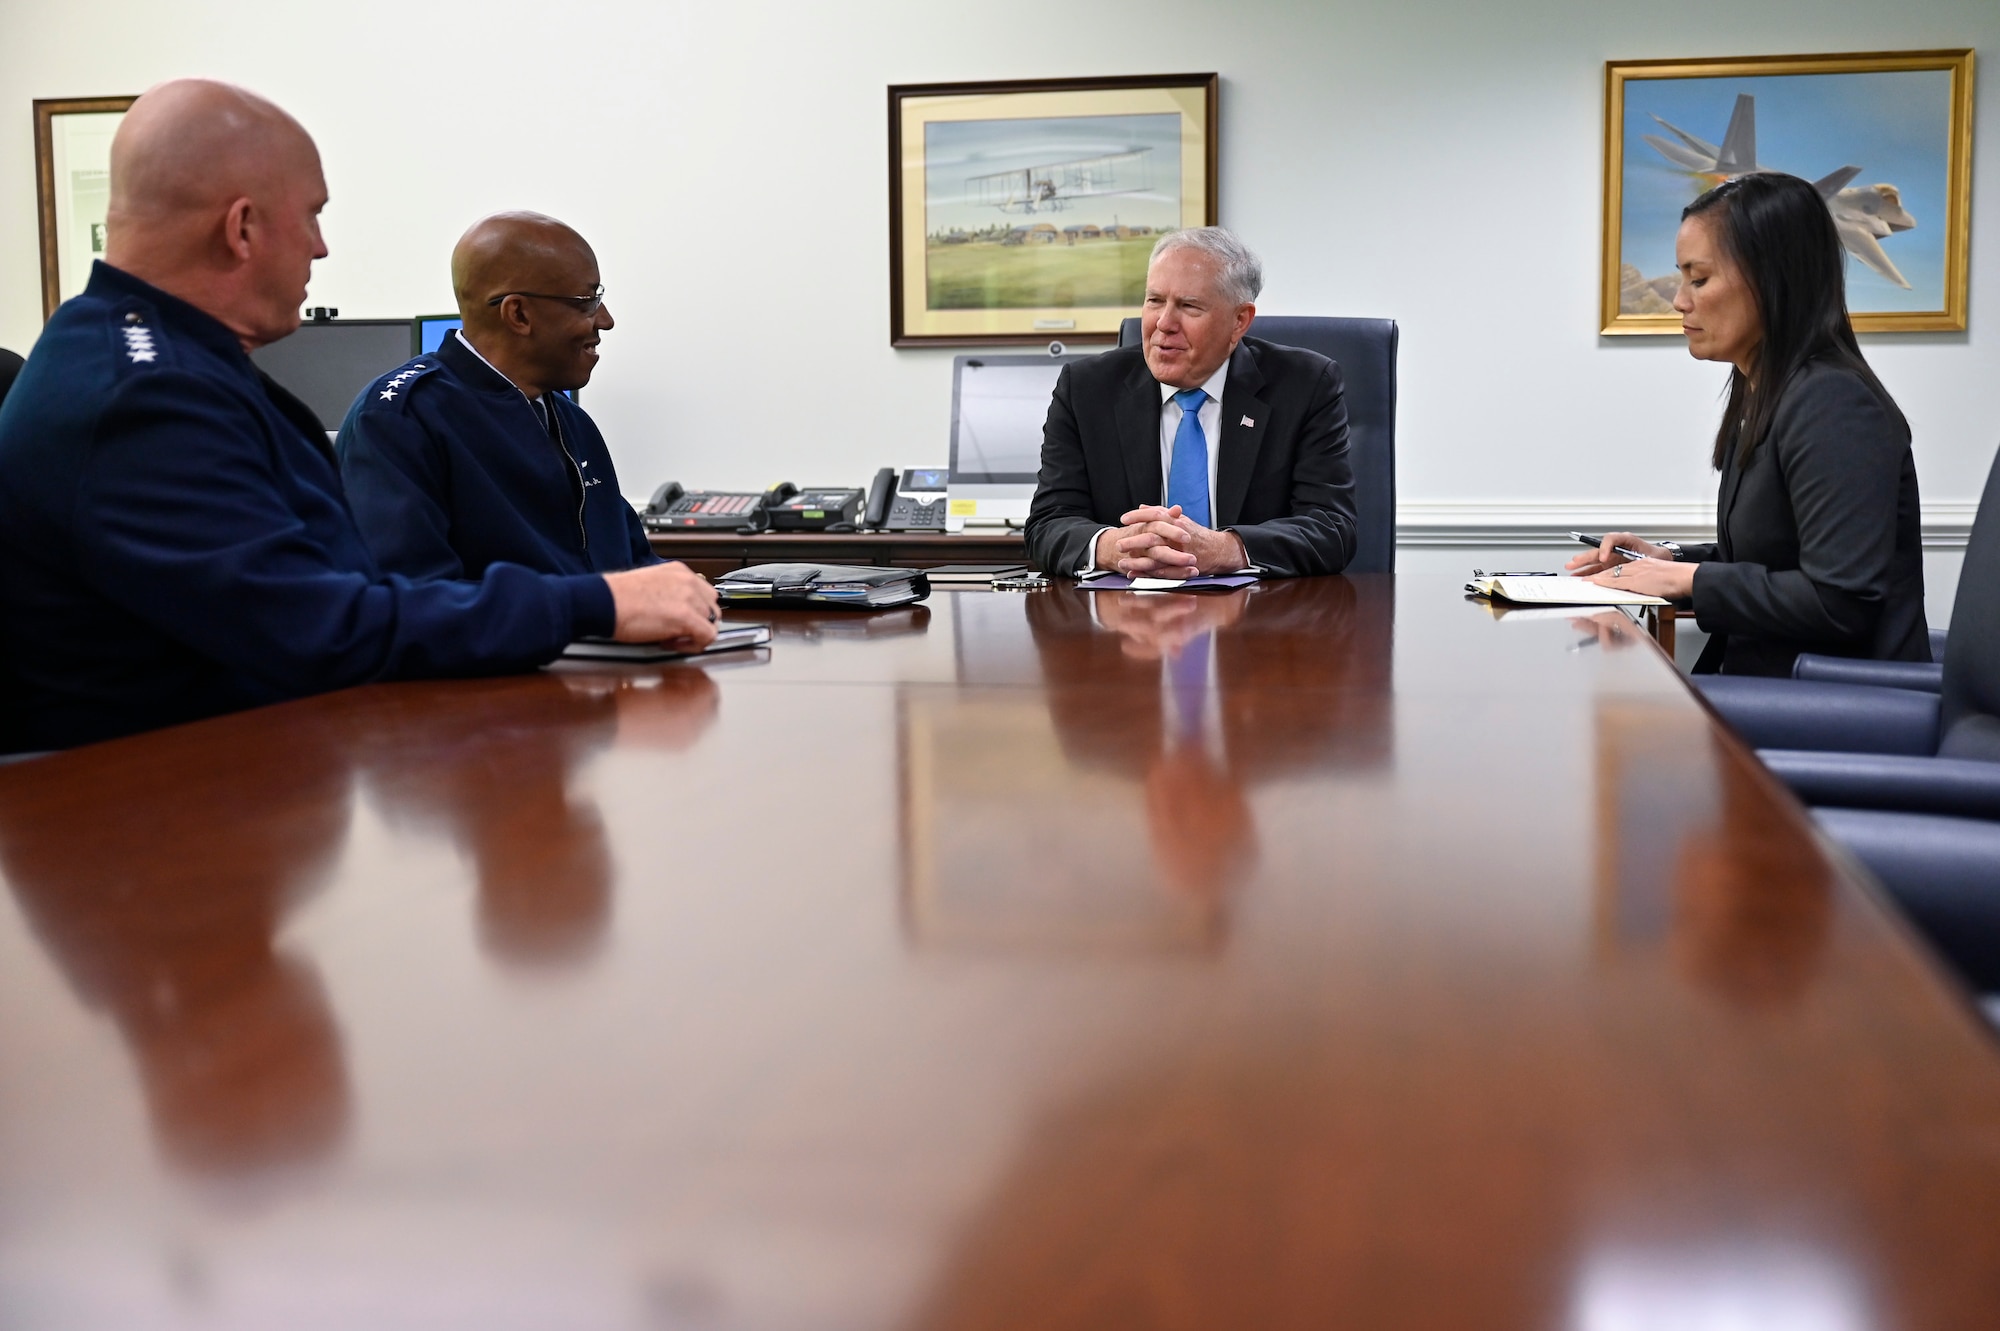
{"x":1557,"y":591}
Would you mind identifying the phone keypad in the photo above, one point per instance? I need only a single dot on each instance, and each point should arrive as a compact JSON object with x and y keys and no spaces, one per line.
{"x":915,"y":514}
{"x":718,"y":504}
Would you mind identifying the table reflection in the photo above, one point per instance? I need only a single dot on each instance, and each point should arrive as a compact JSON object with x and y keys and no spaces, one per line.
{"x":492,"y":767}
{"x":1694,"y":855}
{"x":841,"y":625}
{"x":1131,"y":768}
{"x":1756,"y":1283}
{"x":162,"y":914}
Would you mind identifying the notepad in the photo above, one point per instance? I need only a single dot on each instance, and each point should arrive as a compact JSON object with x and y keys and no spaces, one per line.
{"x":1118,"y":582}
{"x":1558,"y":591}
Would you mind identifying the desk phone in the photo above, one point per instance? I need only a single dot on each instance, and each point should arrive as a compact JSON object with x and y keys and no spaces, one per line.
{"x":675,"y":509}
{"x":917,"y":504}
{"x":817,"y":508}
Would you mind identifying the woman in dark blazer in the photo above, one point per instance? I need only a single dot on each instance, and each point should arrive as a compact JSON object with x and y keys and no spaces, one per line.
{"x":1817,"y":544}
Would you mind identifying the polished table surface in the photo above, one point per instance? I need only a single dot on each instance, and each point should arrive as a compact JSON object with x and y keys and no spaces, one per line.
{"x":1330,"y":954}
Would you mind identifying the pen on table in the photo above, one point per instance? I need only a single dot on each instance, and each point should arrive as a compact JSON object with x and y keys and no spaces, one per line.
{"x":1599,"y":540}
{"x":1531,"y":573}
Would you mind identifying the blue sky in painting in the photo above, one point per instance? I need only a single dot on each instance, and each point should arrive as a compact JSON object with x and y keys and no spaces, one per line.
{"x":1894,"y":126}
{"x":955,"y":150}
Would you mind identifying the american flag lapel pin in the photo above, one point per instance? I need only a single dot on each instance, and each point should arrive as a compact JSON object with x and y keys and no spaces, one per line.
{"x":1248,"y":421}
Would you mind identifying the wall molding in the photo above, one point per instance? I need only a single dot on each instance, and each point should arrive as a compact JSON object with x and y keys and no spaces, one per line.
{"x":1489,"y":523}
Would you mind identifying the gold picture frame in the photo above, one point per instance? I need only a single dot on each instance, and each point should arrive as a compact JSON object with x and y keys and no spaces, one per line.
{"x":1887,"y":135}
{"x":72,"y":185}
{"x":1024,"y":212}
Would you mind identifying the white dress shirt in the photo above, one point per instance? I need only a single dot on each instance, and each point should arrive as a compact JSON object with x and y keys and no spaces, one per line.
{"x":541,"y":407}
{"x":1170,"y":424}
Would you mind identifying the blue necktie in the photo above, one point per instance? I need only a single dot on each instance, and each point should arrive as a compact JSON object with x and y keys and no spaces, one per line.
{"x":1187,"y":682}
{"x":1187,"y":478}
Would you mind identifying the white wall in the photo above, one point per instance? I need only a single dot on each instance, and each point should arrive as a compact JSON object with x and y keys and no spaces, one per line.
{"x":1437,"y":161}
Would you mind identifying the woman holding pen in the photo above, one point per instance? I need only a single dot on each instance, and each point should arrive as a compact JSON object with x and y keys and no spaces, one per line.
{"x":1817,"y":524}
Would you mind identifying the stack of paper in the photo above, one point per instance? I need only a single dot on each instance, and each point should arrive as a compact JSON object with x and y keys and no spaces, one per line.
{"x":1558,"y":591}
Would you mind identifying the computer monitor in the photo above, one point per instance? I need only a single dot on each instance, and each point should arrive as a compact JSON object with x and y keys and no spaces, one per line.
{"x":427,"y":332}
{"x":998,"y":407}
{"x":328,"y":362}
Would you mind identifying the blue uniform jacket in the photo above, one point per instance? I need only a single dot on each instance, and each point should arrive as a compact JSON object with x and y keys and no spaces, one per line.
{"x":174,"y":542}
{"x":450,"y":472}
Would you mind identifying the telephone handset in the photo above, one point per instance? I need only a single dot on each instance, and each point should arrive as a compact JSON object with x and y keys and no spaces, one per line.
{"x":675,"y":509}
{"x":912,"y":500}
{"x":880,"y":491}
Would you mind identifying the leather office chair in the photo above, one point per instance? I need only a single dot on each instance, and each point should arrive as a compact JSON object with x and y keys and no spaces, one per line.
{"x":1944,"y":873}
{"x":1907,"y":780}
{"x":1365,"y":350}
{"x":10,"y":370}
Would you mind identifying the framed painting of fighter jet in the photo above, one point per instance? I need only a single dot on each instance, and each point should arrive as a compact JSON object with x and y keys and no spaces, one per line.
{"x":73,"y":188}
{"x":1886,"y":138}
{"x":1024,"y":212}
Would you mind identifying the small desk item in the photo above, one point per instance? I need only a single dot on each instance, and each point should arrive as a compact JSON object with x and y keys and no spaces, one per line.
{"x":972,"y":575}
{"x":1557,"y":591}
{"x":825,"y":508}
{"x":846,"y":585}
{"x":1118,"y":582}
{"x":728,"y":638}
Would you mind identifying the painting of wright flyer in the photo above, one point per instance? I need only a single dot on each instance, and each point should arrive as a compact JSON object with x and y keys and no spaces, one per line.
{"x":1885,"y":138}
{"x":1026,"y":212}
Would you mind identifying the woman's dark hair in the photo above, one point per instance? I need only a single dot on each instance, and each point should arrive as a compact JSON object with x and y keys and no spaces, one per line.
{"x":1777,"y":231}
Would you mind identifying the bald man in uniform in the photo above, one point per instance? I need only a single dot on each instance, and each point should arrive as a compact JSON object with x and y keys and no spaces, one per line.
{"x":174,"y":540}
{"x":473,"y":456}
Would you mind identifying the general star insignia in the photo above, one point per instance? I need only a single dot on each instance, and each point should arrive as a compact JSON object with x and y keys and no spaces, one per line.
{"x":389,"y":395}
{"x":139,"y":347}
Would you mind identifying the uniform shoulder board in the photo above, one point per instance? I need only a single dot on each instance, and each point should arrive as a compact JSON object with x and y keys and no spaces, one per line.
{"x":392,"y":390}
{"x":141,"y":342}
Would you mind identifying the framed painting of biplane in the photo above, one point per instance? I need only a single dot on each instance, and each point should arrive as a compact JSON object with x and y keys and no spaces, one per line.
{"x":1886,"y":137}
{"x":73,"y":188}
{"x":1024,"y":212}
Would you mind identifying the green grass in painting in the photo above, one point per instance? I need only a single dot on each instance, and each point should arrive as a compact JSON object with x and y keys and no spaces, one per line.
{"x":991,"y":276}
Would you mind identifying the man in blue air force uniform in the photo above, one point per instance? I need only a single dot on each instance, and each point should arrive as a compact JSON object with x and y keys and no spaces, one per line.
{"x":473,"y":456}
{"x":174,"y":540}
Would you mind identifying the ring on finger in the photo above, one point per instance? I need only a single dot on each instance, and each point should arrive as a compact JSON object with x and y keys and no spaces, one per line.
{"x":1618,"y":571}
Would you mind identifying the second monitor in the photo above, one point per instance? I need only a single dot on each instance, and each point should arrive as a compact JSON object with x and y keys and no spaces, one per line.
{"x":998,"y":407}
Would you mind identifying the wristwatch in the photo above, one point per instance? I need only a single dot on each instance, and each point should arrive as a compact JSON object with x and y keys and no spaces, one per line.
{"x":1674,"y":546}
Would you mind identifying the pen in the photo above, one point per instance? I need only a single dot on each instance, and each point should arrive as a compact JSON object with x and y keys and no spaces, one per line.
{"x":1532,"y":573}
{"x":1599,"y":540}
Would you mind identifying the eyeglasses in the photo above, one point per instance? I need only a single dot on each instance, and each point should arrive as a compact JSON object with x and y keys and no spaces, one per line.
{"x":584,"y":304}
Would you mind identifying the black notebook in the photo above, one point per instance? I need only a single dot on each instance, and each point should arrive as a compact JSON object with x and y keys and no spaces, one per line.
{"x":728,"y":638}
{"x":853,"y":586}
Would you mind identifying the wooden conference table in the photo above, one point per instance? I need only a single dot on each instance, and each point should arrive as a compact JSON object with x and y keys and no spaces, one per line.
{"x":1373,"y":964}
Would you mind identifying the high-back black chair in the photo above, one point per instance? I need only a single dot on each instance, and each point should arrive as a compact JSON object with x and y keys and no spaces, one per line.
{"x":10,"y":369}
{"x":1969,"y":719}
{"x":1365,"y":350}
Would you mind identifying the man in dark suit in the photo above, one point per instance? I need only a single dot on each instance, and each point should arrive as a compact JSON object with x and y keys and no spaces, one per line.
{"x":1200,"y":451}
